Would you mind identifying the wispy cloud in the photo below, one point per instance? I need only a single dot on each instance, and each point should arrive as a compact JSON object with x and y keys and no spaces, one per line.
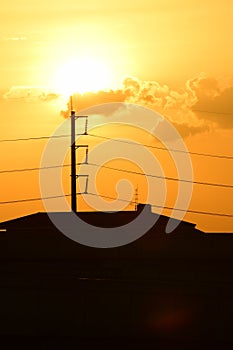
{"x":30,"y":94}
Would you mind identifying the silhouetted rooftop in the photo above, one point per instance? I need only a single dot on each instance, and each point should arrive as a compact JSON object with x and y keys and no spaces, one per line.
{"x":35,"y":237}
{"x":162,"y":286}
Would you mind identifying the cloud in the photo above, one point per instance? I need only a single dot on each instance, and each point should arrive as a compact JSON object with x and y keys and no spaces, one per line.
{"x":83,"y":101}
{"x":30,"y":94}
{"x":198,"y":107}
{"x":217,"y":109}
{"x":203,"y":103}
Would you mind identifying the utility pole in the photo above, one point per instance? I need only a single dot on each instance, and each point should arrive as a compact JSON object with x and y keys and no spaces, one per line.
{"x":73,"y":164}
{"x":74,"y":147}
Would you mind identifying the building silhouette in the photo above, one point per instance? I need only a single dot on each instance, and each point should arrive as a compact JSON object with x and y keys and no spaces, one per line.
{"x":163,"y":287}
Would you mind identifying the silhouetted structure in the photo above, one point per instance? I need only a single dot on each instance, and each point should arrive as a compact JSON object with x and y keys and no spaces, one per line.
{"x":166,"y":287}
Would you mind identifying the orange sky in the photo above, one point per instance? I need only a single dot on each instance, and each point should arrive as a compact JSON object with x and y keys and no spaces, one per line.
{"x":174,"y":57}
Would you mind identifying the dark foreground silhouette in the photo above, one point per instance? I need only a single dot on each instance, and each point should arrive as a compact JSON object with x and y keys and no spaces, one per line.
{"x":169,"y":289}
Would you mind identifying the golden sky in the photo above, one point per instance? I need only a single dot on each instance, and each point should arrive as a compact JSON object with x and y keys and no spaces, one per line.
{"x":174,"y":57}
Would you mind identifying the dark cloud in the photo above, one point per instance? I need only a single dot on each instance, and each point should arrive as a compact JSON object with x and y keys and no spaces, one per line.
{"x":94,"y":102}
{"x":187,"y":130}
{"x":219,"y":108}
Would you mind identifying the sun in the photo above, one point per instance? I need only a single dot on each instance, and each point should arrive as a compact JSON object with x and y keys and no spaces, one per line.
{"x":82,"y":75}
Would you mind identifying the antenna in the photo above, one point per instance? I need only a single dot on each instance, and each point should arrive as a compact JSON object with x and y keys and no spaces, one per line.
{"x":71,"y":103}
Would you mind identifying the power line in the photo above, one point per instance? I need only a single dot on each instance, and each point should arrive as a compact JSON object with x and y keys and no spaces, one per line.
{"x":32,"y":169}
{"x":33,"y":199}
{"x":37,"y":138}
{"x":164,"y":177}
{"x":33,"y":138}
{"x":163,"y":148}
{"x":121,"y":170}
{"x":119,"y":199}
{"x":121,"y":141}
{"x":164,"y":207}
{"x":36,"y":168}
{"x":109,"y":197}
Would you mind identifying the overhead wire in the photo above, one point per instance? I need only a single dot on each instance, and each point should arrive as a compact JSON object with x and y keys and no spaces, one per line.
{"x":169,"y":178}
{"x":163,"y":148}
{"x":121,"y":141}
{"x":119,"y":199}
{"x":122,"y":170}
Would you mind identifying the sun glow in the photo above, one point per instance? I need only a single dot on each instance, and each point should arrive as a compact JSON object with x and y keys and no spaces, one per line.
{"x":82,"y":75}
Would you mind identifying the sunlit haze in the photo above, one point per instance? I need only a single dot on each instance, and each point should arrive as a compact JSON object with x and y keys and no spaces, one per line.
{"x":82,"y":75}
{"x":174,"y":57}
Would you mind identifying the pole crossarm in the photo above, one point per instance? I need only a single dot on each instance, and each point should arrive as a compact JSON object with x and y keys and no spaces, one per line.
{"x":86,"y":183}
{"x":79,"y":146}
{"x":86,"y":121}
{"x":86,"y":155}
